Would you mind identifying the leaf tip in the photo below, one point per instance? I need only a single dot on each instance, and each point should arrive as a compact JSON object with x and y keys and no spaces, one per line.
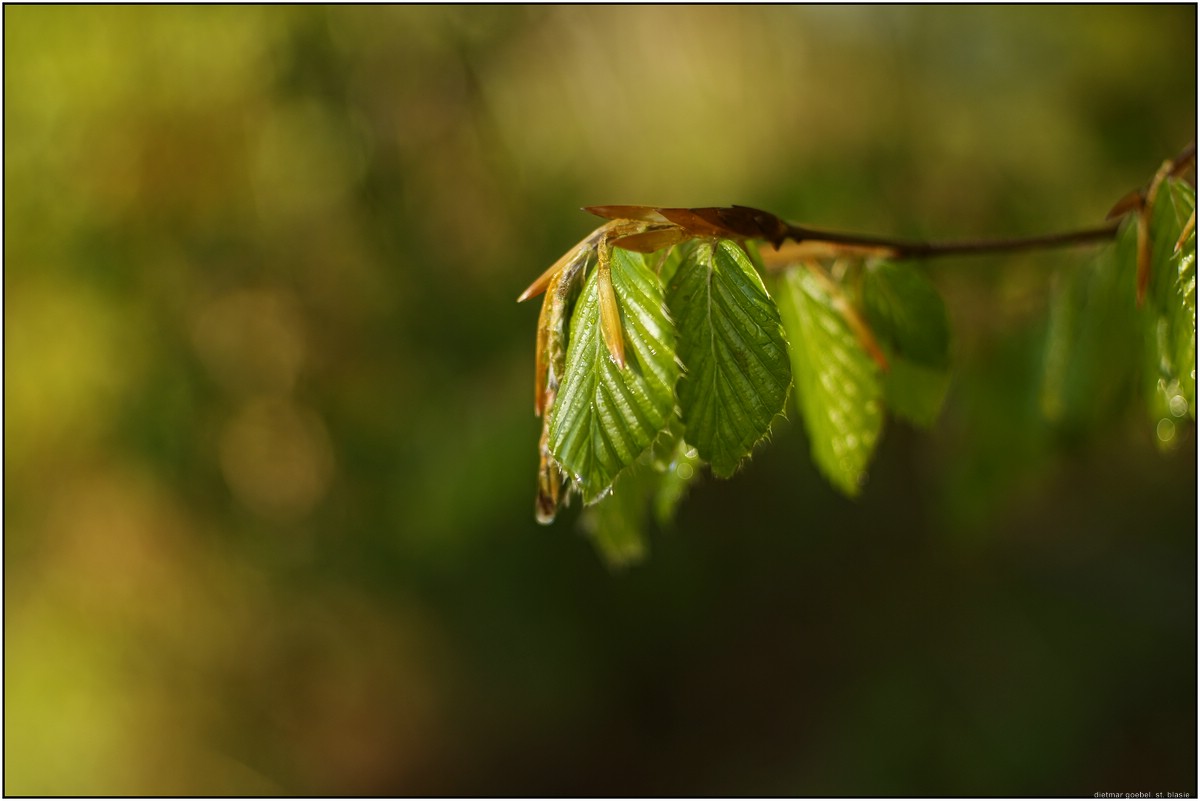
{"x":1189,"y":228}
{"x":546,"y":511}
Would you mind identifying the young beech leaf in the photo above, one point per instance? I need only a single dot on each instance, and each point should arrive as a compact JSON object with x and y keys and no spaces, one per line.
{"x":678,"y":470}
{"x":907,"y":315}
{"x":906,"y":312}
{"x":1185,"y":326}
{"x":731,"y":344}
{"x":666,"y":263}
{"x":838,"y":388}
{"x":1093,"y":339}
{"x":605,"y":416}
{"x":656,"y":482}
{"x":1179,"y":275}
{"x":1173,"y":207}
{"x":913,"y":391}
{"x":1167,"y":317}
{"x":617,"y":524}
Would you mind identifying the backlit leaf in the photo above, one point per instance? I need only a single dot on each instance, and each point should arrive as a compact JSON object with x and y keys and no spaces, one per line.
{"x":838,"y":387}
{"x":1173,"y":206}
{"x":1179,"y":275}
{"x":732,"y":346}
{"x":1169,"y":317}
{"x":667,"y":262}
{"x":605,"y":416}
{"x":1185,"y":326}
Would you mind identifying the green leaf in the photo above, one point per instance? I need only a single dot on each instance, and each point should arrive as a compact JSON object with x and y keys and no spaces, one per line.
{"x":913,"y":391}
{"x":838,"y":388}
{"x":732,"y":346}
{"x":1176,"y":291}
{"x":908,"y":317}
{"x":678,"y":470}
{"x":668,"y":263}
{"x":1169,"y":317}
{"x":605,"y":417}
{"x":1174,"y":205}
{"x":1185,"y":322}
{"x":906,"y":312}
{"x":1093,"y":340}
{"x":618,"y":523}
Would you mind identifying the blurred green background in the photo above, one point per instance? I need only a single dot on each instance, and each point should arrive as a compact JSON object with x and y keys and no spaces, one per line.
{"x":269,"y":451}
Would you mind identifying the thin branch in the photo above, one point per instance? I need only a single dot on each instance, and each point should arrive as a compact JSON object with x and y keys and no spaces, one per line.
{"x":1185,"y":159}
{"x":794,"y":244}
{"x":810,"y":242}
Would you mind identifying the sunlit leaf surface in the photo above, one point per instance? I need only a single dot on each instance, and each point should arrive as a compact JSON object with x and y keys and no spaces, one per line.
{"x":838,"y":387}
{"x":1169,"y":316}
{"x":1185,"y":326}
{"x":604,"y":416}
{"x":732,"y":346}
{"x":1179,"y":275}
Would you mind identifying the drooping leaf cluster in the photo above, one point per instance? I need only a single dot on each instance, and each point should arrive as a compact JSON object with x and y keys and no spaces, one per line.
{"x":662,"y":350}
{"x":709,"y":356}
{"x":1097,"y":321}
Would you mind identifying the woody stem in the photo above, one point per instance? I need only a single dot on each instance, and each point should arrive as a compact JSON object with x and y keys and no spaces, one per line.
{"x":907,"y":249}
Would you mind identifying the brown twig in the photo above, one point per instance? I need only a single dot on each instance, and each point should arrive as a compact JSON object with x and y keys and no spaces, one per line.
{"x":906,"y":249}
